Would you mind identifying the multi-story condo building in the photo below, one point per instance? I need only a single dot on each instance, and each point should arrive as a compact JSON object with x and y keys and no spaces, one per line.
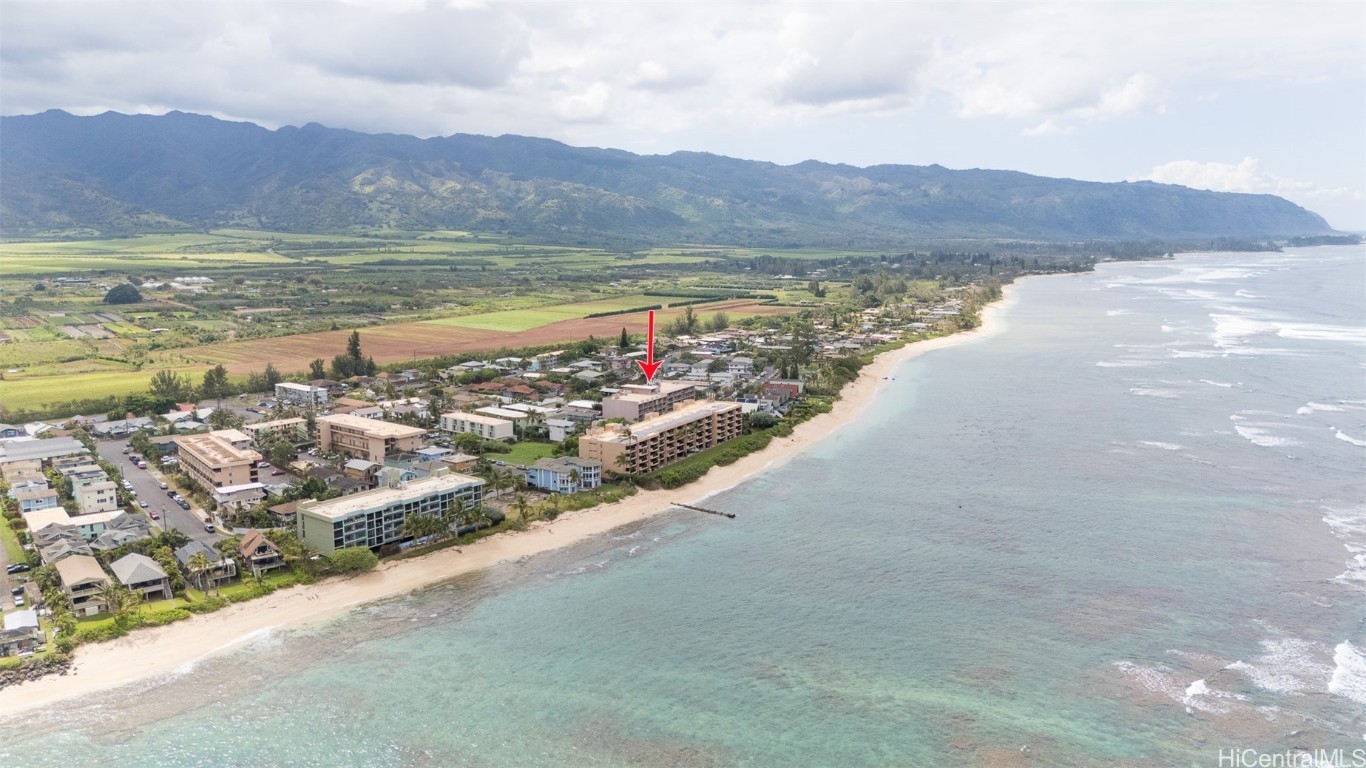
{"x":219,"y":459}
{"x":634,"y":401}
{"x":487,"y":427}
{"x":287,"y":429}
{"x":369,"y":439}
{"x":374,"y":518}
{"x":661,"y":440}
{"x":305,"y":395}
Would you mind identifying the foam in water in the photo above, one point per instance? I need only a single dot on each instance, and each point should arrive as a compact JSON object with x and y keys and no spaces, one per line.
{"x":1349,"y":674}
{"x":1118,"y":312}
{"x":1163,"y":446}
{"x":1167,"y":394}
{"x":1305,"y":410}
{"x":1287,"y":666}
{"x":1348,"y":438}
{"x":1222,"y":384}
{"x":1350,"y":526}
{"x":1257,"y":432}
{"x":1127,"y":363}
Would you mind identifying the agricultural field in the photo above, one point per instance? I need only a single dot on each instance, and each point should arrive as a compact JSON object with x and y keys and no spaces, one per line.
{"x":244,"y":298}
{"x":526,"y":319}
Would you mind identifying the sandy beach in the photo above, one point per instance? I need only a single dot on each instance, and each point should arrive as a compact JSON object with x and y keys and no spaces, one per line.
{"x":151,"y":652}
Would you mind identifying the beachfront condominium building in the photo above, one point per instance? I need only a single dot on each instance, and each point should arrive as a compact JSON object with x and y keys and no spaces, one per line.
{"x":487,"y":427}
{"x":375,"y":518}
{"x":369,"y":439}
{"x":218,"y":459}
{"x":661,"y":440}
{"x":635,"y":401}
{"x":304,"y":395}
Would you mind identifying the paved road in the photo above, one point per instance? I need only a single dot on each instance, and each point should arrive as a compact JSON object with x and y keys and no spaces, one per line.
{"x":147,"y":483}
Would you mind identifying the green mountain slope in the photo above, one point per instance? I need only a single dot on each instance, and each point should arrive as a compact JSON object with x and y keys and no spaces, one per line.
{"x":119,"y":173}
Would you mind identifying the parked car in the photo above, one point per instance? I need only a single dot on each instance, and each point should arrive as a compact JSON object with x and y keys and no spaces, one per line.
{"x":19,"y":601}
{"x":163,"y":486}
{"x":183,"y":503}
{"x":19,"y":590}
{"x":142,"y":465}
{"x":17,"y":568}
{"x":126,"y":450}
{"x":156,"y":516}
{"x":208,"y":527}
{"x":169,"y":494}
{"x":143,"y":504}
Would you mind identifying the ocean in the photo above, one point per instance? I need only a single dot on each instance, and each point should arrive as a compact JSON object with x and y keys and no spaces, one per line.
{"x":1128,"y":529}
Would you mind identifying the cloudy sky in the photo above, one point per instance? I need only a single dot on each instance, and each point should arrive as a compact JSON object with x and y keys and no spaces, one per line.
{"x":1242,"y":96}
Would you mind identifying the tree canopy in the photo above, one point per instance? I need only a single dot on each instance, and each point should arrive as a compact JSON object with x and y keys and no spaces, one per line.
{"x":123,"y":293}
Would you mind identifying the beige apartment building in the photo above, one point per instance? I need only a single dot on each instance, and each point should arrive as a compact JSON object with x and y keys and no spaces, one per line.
{"x":219,"y":459}
{"x":661,"y":440}
{"x":635,"y":401}
{"x":264,"y":432}
{"x":369,"y":439}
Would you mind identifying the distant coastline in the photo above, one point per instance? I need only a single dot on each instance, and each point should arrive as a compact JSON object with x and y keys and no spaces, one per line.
{"x":149,"y":653}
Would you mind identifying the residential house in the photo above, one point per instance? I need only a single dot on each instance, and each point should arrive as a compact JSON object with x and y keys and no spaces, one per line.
{"x":220,"y":569}
{"x":238,"y":497}
{"x":95,"y":495}
{"x":37,"y":499}
{"x":560,"y":429}
{"x":142,"y":575}
{"x":82,"y":579}
{"x":261,"y":554}
{"x":568,"y":474}
{"x":21,"y":634}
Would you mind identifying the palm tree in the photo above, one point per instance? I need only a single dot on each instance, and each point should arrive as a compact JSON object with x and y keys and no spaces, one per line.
{"x":454,"y":515}
{"x":574,"y":479}
{"x":120,"y":601}
{"x":200,"y":565}
{"x":520,"y":504}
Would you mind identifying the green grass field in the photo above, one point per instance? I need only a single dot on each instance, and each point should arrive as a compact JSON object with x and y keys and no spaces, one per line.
{"x":524,"y":453}
{"x":526,"y":319}
{"x":19,"y":392}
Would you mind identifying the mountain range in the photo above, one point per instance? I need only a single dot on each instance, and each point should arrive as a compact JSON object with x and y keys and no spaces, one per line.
{"x":119,"y":173}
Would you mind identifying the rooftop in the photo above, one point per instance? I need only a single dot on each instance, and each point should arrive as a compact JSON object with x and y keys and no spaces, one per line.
{"x":215,"y":450}
{"x":372,"y":427}
{"x":477,"y":418}
{"x":336,"y":509}
{"x":685,"y":413}
{"x":42,"y":518}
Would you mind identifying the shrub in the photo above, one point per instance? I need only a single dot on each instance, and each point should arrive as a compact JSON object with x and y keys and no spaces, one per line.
{"x":354,"y":560}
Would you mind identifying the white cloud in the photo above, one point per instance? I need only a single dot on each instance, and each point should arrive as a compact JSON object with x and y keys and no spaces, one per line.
{"x":665,"y":75}
{"x":1248,"y":176}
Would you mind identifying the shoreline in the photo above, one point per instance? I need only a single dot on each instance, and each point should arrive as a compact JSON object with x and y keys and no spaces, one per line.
{"x":148,"y":653}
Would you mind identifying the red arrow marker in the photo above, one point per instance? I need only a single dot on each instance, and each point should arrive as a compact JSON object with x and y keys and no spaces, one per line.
{"x":649,"y":367}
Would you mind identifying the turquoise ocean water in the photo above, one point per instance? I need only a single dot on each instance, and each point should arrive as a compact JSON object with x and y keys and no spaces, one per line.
{"x":1129,"y":529}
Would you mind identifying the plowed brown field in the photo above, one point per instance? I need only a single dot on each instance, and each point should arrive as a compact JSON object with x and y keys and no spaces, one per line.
{"x":408,"y":341}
